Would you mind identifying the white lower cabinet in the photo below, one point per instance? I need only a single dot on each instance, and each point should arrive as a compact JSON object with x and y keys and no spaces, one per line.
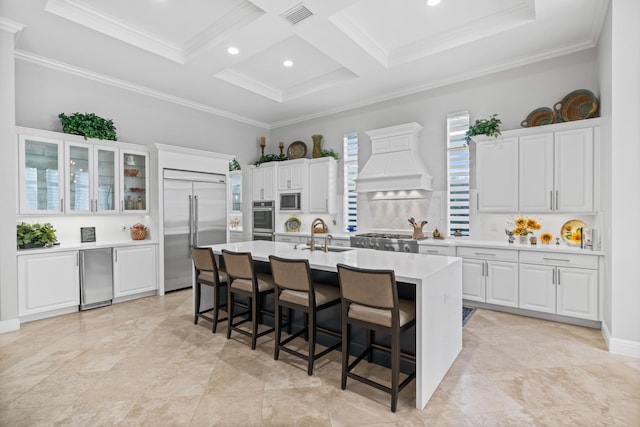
{"x":134,"y":270}
{"x":48,"y":282}
{"x":489,"y":275}
{"x":437,"y":250}
{"x":560,"y":284}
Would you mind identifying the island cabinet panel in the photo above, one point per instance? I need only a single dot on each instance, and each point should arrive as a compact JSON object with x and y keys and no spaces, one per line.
{"x":48,"y":282}
{"x":134,"y":270}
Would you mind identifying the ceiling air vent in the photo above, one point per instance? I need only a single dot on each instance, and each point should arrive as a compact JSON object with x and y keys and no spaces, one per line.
{"x":297,"y":13}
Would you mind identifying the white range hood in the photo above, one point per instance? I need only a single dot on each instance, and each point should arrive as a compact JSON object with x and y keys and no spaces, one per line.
{"x":395,"y":169}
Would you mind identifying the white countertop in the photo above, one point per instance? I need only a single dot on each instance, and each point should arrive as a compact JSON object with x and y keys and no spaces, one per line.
{"x":411,"y":268}
{"x":82,"y":246}
{"x":552,"y":248}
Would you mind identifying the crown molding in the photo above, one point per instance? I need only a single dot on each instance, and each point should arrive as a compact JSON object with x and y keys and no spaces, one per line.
{"x":132,"y":87}
{"x":10,"y":26}
{"x":91,"y":18}
{"x":480,"y":72}
{"x":349,"y":26}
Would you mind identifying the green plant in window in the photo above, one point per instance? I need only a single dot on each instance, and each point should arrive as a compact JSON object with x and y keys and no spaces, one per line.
{"x":88,"y":125}
{"x":488,"y":127}
{"x":234,"y":165}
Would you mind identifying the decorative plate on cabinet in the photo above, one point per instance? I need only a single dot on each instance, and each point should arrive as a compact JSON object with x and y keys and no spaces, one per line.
{"x":571,"y":232}
{"x":296,"y":150}
{"x":539,"y":117}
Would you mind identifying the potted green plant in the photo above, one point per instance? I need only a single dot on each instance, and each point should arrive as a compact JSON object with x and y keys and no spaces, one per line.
{"x":35,"y":235}
{"x":270,"y":158}
{"x":330,"y":153}
{"x":488,"y":127}
{"x":234,"y":165}
{"x":88,"y":125}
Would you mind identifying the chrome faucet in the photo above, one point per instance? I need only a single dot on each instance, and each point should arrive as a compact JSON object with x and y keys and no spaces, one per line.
{"x":312,"y":242}
{"x":327,"y":239}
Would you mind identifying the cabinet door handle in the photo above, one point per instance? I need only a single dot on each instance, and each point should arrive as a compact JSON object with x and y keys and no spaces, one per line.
{"x":557,"y":206}
{"x":77,"y":255}
{"x":487,"y":269}
{"x":484,"y":254}
{"x":477,"y":201}
{"x":61,"y":205}
{"x":288,"y":183}
{"x":121,"y":205}
{"x":551,"y":199}
{"x":553,"y":277}
{"x":115,"y":255}
{"x":558,"y":272}
{"x":556,"y":259}
{"x":482,"y":274}
{"x":432,"y":251}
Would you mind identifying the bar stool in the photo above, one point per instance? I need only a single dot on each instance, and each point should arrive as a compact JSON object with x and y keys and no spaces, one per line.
{"x":370,"y":300}
{"x":244,"y":281}
{"x":208,"y":273}
{"x":295,"y":290}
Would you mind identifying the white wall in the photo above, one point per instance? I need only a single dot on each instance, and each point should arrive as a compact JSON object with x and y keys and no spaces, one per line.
{"x":8,"y":177}
{"x":44,"y":93}
{"x":604,"y":72}
{"x":625,"y":176}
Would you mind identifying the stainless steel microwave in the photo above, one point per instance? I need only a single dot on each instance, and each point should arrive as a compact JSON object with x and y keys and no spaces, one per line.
{"x":290,"y":201}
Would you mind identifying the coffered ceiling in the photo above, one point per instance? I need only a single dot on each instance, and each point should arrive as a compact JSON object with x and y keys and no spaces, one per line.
{"x":345,"y":53}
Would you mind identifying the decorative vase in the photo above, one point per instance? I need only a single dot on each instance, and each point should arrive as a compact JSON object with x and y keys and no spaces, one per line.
{"x":522,"y":239}
{"x":317,"y":146}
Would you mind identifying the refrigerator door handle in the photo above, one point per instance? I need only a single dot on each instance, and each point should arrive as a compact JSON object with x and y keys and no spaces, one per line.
{"x":83,"y":280}
{"x":190,"y":225}
{"x":195,"y":221}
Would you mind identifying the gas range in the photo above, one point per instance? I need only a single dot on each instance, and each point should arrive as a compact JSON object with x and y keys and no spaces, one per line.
{"x":385,"y":242}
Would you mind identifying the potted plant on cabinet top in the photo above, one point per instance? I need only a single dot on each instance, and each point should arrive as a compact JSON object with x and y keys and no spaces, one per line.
{"x":488,"y":127}
{"x":35,"y":235}
{"x":88,"y":125}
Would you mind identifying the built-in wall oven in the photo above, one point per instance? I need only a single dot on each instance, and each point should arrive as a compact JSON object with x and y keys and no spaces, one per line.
{"x":263,"y":215}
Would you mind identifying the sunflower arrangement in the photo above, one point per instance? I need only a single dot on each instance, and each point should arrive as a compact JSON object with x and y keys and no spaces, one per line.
{"x":575,"y":236}
{"x":546,"y":238}
{"x":524,"y":226}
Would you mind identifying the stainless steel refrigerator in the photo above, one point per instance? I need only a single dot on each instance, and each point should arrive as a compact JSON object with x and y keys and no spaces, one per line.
{"x":195,"y":211}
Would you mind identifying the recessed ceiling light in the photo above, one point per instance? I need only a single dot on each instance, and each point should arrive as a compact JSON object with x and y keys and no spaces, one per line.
{"x":233,"y":50}
{"x":433,"y":2}
{"x":288,"y":63}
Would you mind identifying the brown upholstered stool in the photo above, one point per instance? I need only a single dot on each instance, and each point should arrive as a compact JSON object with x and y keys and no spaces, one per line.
{"x":243,"y":280}
{"x":208,"y":273}
{"x":296,"y":291}
{"x":370,"y":300}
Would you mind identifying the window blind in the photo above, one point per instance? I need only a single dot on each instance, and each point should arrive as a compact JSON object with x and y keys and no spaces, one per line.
{"x":350,"y":157}
{"x":457,"y":173}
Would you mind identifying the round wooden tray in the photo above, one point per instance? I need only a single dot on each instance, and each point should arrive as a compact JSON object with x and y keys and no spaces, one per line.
{"x":539,"y":117}
{"x":578,"y":105}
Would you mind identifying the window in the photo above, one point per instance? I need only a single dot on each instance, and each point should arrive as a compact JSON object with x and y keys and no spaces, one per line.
{"x":457,"y":173}
{"x":350,"y":156}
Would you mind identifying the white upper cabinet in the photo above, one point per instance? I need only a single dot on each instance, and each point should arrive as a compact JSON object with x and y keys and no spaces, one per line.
{"x":264,"y":182}
{"x":235,"y":191}
{"x":573,"y":168}
{"x":322,"y":185}
{"x":291,"y":175}
{"x":556,"y":171}
{"x":536,"y":173}
{"x":41,"y":177}
{"x":91,"y":178}
{"x":135,"y":181}
{"x":497,"y":175}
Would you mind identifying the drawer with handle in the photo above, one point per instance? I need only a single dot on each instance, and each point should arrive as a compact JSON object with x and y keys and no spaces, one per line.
{"x":489,"y":254}
{"x":559,"y":259}
{"x":437,"y":250}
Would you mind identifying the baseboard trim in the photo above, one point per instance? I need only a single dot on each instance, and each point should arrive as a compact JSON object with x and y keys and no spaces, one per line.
{"x":606,"y":334}
{"x":624,"y":347}
{"x":9,"y":325}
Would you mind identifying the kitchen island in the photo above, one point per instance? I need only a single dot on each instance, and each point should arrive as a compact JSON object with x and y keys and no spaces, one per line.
{"x":438,"y":283}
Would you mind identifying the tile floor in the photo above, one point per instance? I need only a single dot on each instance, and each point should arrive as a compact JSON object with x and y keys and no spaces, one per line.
{"x":143,"y":362}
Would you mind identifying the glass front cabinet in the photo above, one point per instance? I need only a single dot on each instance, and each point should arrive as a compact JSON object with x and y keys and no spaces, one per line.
{"x":91,"y":180}
{"x":41,"y":175}
{"x":135,"y":181}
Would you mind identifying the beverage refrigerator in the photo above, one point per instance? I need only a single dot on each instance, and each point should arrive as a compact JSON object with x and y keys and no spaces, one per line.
{"x":194,"y":215}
